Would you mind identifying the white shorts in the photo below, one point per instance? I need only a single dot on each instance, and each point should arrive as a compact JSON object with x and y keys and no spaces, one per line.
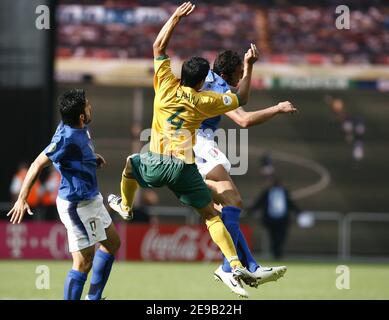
{"x":208,"y":155}
{"x":85,"y":221}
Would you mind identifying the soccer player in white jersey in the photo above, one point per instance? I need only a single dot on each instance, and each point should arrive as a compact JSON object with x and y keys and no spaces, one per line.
{"x":214,"y":166}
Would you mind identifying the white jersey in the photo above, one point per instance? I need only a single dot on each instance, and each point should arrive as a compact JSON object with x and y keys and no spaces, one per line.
{"x":207,"y":153}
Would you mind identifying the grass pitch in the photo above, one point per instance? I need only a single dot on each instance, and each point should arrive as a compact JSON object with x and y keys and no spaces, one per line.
{"x":152,"y":280}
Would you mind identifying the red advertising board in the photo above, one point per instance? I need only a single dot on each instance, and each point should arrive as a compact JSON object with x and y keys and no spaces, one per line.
{"x":173,"y":243}
{"x":45,"y":240}
{"x":28,"y":240}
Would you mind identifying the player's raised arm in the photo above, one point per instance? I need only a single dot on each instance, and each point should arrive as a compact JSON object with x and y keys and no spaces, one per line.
{"x":247,"y":119}
{"x":21,"y":206}
{"x":162,"y":40}
{"x":250,"y":58}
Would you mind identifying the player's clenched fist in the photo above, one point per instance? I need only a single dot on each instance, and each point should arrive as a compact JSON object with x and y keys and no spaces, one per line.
{"x":184,"y":10}
{"x":251,"y":55}
{"x":286,"y":107}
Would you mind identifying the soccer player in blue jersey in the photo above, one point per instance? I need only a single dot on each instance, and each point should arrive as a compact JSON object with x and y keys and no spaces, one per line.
{"x":79,"y":203}
{"x":228,"y":71}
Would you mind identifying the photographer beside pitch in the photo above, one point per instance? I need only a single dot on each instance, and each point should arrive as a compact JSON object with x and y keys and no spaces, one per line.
{"x":79,"y":202}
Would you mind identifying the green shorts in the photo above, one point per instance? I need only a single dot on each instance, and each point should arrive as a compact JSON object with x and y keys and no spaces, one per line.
{"x":152,"y":170}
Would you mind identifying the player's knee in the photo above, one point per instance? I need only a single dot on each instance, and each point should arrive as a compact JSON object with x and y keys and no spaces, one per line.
{"x":112,"y":245}
{"x":235,"y":200}
{"x":210,"y":215}
{"x":88,"y":265}
{"x":83,"y":265}
{"x":128,"y":166}
{"x":208,"y":212}
{"x":231,"y":198}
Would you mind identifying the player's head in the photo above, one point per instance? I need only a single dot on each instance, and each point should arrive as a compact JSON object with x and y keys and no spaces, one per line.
{"x":75,"y":108}
{"x":229,"y":66}
{"x":193,"y":72}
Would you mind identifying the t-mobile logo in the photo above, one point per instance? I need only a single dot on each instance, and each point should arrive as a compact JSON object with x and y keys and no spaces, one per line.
{"x":16,"y":239}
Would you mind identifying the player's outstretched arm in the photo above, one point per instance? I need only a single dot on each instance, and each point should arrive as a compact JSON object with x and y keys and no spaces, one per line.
{"x":21,"y":206}
{"x":247,"y":119}
{"x":250,"y":58}
{"x":162,"y":40}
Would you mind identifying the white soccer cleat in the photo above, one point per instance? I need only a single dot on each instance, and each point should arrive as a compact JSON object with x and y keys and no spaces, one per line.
{"x":231,"y":282}
{"x":267,"y":274}
{"x":245,"y":275}
{"x":115,"y":202}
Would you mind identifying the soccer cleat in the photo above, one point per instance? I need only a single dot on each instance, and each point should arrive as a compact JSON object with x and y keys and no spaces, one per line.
{"x":267,"y":274}
{"x":115,"y":202}
{"x":231,"y":282}
{"x":243,"y":274}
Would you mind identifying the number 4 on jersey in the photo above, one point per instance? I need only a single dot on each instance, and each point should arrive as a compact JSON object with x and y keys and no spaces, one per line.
{"x":178,"y":123}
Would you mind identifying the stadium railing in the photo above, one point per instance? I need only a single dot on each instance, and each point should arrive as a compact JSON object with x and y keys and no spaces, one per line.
{"x":188,"y":214}
{"x":346,"y":228}
{"x":343,"y":224}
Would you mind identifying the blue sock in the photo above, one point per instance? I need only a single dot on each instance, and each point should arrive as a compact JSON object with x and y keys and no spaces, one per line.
{"x":74,"y":283}
{"x":102,"y":264}
{"x":244,"y":251}
{"x":230,"y":217}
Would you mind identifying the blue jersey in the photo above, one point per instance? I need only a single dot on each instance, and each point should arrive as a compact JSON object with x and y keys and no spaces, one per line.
{"x":72,"y":153}
{"x":215,"y":83}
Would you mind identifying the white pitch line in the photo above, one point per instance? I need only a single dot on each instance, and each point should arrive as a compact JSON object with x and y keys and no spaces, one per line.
{"x":323,"y":173}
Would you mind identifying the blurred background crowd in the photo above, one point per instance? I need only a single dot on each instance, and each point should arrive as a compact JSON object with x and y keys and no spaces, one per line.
{"x":290,"y":33}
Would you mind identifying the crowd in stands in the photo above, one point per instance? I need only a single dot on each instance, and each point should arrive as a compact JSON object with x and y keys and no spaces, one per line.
{"x":130,"y":32}
{"x":285,"y":34}
{"x":299,"y":30}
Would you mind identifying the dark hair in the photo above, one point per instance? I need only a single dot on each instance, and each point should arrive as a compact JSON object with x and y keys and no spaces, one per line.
{"x":71,"y":105}
{"x":226,"y":63}
{"x":194,"y":71}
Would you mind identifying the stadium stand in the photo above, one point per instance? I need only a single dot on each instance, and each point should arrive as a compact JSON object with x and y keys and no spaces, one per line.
{"x":289,"y":34}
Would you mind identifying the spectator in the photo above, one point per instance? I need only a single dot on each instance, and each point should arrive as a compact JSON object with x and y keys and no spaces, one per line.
{"x":358,"y":141}
{"x":276,"y":204}
{"x":352,"y":126}
{"x":267,"y":168}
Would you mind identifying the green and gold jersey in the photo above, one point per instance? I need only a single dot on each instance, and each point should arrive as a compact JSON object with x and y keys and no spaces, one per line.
{"x":179,"y":111}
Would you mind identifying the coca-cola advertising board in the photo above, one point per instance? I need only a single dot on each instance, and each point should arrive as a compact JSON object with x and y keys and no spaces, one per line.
{"x":173,"y":243}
